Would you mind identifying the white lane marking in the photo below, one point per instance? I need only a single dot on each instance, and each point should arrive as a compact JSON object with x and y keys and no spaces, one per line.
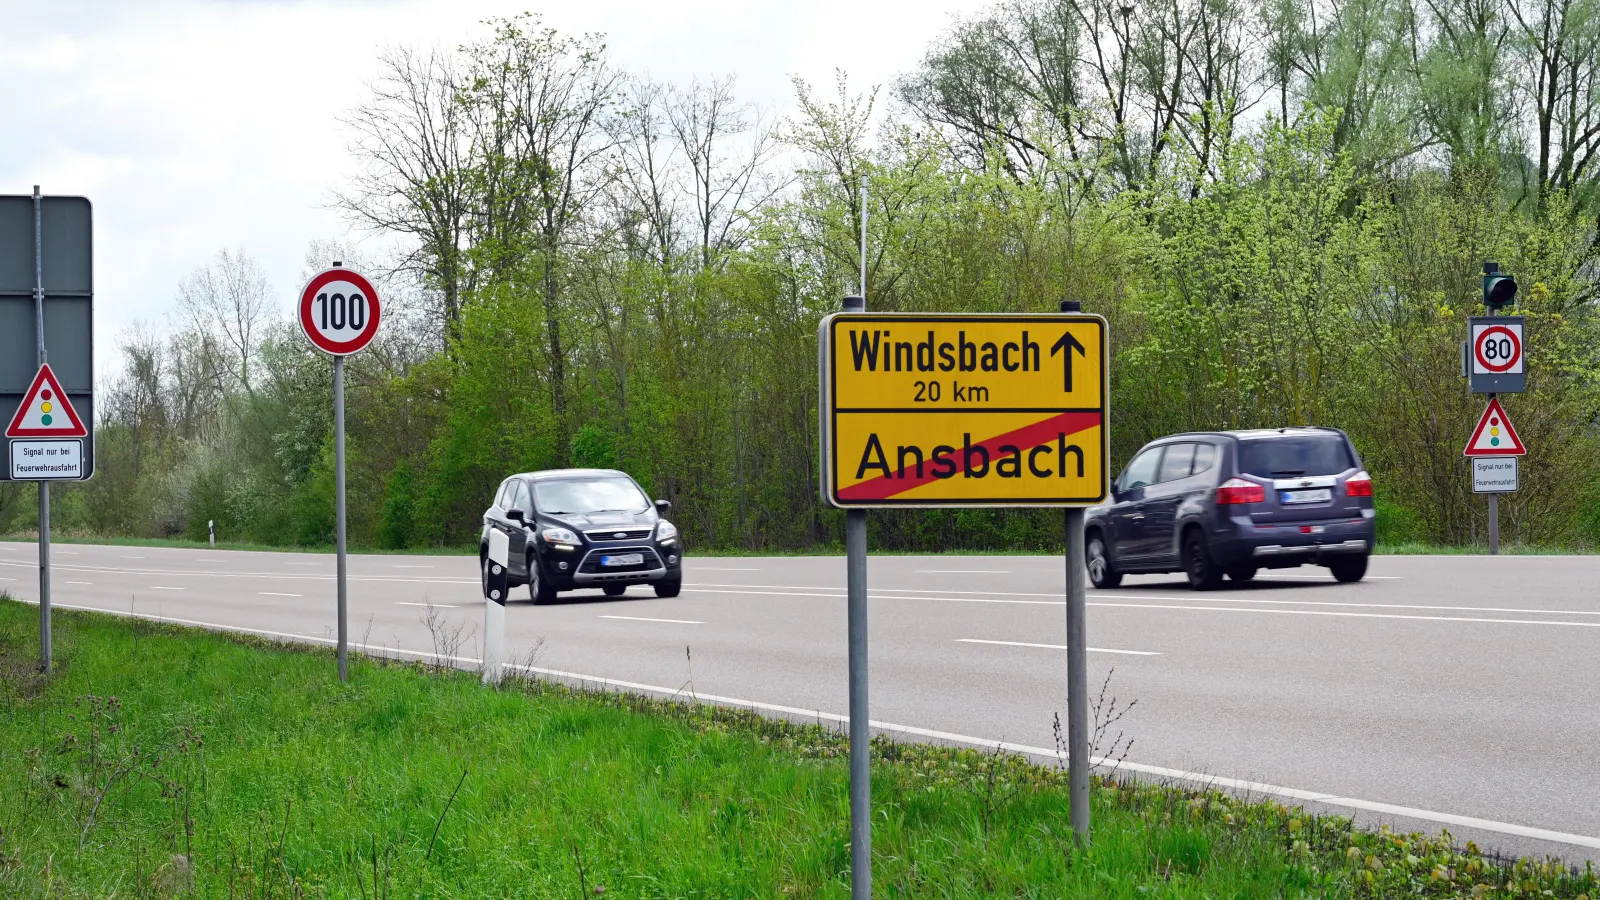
{"x":1499,"y":609}
{"x":65,"y":552}
{"x":1271,"y":574}
{"x":1350,"y":615}
{"x":963,"y":571}
{"x":720,"y":569}
{"x":644,"y":619}
{"x":13,"y":579}
{"x":133,"y":557}
{"x":434,"y":605}
{"x":397,"y":566}
{"x":275,"y":594}
{"x":303,"y":563}
{"x":162,"y":587}
{"x":892,"y":594}
{"x":1233,"y":784}
{"x":1054,"y":646}
{"x":90,"y":583}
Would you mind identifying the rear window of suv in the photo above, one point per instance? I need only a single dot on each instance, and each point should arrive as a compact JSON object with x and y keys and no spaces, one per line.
{"x":1288,"y":455}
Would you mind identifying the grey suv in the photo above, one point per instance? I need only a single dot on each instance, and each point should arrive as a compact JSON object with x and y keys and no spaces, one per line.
{"x":1211,"y":504}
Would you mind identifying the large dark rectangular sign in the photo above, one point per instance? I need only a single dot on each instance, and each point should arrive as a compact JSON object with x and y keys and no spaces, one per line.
{"x":66,"y":262}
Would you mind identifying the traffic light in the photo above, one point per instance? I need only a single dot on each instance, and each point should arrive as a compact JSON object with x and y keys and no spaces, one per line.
{"x":1499,"y":290}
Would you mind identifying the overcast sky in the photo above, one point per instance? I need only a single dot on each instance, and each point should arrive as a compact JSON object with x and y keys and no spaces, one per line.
{"x":195,"y":126}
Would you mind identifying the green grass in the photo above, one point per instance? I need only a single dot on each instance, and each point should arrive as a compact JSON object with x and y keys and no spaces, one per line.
{"x":226,"y":767}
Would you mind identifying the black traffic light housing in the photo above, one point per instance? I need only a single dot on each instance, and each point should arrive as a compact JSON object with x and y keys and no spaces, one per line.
{"x":1499,"y":289}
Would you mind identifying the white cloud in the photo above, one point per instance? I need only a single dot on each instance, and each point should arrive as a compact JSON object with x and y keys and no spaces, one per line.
{"x":195,"y":126}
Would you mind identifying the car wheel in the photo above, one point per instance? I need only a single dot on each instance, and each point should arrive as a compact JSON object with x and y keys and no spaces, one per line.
{"x":669,"y":588}
{"x":539,"y":587}
{"x":1101,"y":573}
{"x":1242,"y":574}
{"x":1347,"y":569}
{"x":1204,"y":575}
{"x":614,"y":590}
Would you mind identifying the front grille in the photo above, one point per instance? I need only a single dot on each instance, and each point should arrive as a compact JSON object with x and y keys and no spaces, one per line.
{"x":591,"y":563}
{"x":611,"y":535}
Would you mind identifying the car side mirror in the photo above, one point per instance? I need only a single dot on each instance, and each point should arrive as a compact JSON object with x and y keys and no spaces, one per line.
{"x":662,"y":506}
{"x":515,"y":515}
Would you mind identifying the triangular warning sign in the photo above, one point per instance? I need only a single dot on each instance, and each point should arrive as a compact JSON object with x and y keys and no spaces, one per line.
{"x":46,"y":411}
{"x":1494,"y":435}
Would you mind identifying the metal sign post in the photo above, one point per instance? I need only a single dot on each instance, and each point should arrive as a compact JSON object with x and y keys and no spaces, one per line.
{"x":46,"y":310}
{"x":46,"y":652}
{"x":957,"y":410}
{"x":1495,"y":363}
{"x":339,"y":313}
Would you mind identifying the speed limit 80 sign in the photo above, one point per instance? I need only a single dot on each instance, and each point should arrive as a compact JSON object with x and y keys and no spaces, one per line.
{"x":1497,"y":355}
{"x":339,"y":311}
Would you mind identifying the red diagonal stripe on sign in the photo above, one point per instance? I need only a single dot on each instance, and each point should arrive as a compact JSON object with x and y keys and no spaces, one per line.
{"x":1030,"y":435}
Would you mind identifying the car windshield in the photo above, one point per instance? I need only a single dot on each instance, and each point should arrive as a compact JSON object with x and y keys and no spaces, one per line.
{"x":590,"y":495}
{"x":1288,"y":455}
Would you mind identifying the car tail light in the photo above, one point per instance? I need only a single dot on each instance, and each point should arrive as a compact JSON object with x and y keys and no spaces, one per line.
{"x":1359,"y":485}
{"x":1237,"y":490}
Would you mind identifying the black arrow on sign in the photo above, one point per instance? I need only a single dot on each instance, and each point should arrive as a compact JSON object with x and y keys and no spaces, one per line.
{"x":1065,"y":346}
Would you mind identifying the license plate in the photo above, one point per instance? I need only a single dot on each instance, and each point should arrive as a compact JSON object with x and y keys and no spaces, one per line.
{"x":1317,"y":495}
{"x":628,"y":559}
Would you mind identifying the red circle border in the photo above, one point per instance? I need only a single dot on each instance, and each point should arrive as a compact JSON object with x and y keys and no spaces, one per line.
{"x":337,"y":348}
{"x":1477,"y":348}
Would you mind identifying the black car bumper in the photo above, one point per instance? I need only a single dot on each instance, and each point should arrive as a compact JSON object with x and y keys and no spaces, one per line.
{"x":1286,"y":544}
{"x":594,"y":566}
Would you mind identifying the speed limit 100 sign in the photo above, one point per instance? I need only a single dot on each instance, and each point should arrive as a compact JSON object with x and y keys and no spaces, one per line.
{"x":339,"y":312}
{"x":1496,"y":348}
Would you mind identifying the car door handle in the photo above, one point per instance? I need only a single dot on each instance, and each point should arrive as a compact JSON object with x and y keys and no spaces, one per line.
{"x":1137,"y":518}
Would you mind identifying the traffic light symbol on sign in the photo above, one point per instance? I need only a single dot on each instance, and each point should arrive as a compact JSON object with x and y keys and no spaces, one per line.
{"x":1494,"y":435}
{"x":46,"y":411}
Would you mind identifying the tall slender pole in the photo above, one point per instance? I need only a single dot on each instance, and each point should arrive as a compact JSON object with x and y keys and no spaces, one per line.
{"x":338,"y":513}
{"x":855,"y":530}
{"x":1077,"y":679}
{"x":863,"y":240}
{"x":1494,"y":517}
{"x":45,"y":650}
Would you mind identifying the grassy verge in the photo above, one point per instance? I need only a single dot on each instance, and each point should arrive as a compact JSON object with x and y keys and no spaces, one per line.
{"x":161,"y":762}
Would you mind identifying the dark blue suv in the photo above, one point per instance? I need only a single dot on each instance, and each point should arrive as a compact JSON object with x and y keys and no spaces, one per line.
{"x":1219,"y":503}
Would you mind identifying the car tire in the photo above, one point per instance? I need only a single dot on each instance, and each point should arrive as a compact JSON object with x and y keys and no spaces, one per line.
{"x":669,"y":588}
{"x":614,"y":590}
{"x":1204,"y":573}
{"x":1242,"y":574}
{"x":538,"y":587}
{"x":1348,"y":569}
{"x":1101,"y":573}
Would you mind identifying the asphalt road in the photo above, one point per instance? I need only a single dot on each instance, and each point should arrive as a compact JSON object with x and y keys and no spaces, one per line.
{"x":1458,"y":692}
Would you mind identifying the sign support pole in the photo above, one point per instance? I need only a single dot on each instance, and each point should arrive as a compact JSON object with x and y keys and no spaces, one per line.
{"x":855,"y":541}
{"x":1494,"y":518}
{"x":855,"y":530}
{"x":45,"y":650}
{"x":338,"y":514}
{"x":1077,"y":678}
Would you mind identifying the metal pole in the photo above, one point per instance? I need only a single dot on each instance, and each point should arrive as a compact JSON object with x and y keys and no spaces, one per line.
{"x":1077,"y":679}
{"x":338,"y":513}
{"x":45,"y":650}
{"x":1494,"y":524}
{"x":855,"y":531}
{"x":1494,"y":506}
{"x":863,"y":239}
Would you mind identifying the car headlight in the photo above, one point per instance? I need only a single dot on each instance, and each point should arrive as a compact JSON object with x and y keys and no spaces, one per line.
{"x":560,"y":536}
{"x":666,"y":531}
